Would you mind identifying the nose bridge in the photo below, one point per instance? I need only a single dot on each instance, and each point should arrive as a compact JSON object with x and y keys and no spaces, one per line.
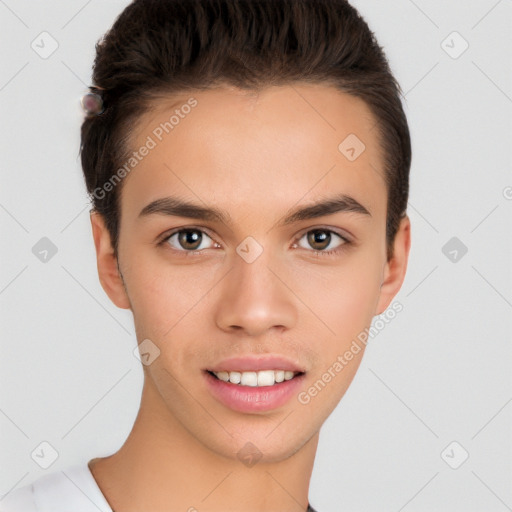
{"x":255,"y":299}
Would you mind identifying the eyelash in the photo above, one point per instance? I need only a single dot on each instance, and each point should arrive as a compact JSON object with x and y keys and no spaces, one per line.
{"x":332,"y":253}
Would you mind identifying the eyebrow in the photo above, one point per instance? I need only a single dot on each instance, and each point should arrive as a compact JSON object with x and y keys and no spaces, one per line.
{"x":174,"y":206}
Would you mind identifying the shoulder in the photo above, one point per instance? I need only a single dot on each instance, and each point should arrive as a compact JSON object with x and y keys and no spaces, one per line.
{"x":71,"y":488}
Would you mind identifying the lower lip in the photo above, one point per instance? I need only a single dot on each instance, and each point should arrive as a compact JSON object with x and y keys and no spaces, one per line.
{"x":252,"y":398}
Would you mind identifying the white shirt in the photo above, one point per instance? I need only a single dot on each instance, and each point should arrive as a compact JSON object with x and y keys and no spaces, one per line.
{"x":73,"y":489}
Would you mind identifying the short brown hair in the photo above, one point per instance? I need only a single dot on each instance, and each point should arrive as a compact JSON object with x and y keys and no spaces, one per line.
{"x":160,"y":47}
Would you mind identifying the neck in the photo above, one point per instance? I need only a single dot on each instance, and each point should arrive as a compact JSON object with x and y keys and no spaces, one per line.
{"x":161,"y":466}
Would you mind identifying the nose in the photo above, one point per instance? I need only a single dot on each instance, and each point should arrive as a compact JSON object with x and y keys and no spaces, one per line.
{"x":254,"y":298}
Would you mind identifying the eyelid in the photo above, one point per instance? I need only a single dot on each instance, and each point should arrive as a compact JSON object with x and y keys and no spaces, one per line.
{"x":167,"y":234}
{"x":344,"y":234}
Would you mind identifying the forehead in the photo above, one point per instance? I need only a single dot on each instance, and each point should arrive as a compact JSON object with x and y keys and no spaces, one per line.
{"x":265,"y":150}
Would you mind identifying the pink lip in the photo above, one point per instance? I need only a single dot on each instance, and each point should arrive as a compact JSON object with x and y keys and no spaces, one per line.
{"x":250,"y":399}
{"x":254,"y":364}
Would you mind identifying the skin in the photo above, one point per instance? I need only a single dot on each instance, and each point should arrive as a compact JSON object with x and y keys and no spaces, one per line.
{"x":256,"y":156}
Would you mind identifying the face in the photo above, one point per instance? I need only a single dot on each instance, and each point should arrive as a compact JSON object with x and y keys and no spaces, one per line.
{"x":255,"y":280}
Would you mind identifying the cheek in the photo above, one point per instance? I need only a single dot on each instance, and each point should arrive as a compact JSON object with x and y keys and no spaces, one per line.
{"x":166,"y":312}
{"x":345,"y":301}
{"x":358,"y":296}
{"x":168,"y":301}
{"x":341,"y":299}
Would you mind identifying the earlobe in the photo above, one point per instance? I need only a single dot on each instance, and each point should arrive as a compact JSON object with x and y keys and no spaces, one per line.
{"x":108,"y":272}
{"x":394,"y":272}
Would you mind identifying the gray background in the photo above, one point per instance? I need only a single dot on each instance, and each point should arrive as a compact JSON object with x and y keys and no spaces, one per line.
{"x":439,"y":372}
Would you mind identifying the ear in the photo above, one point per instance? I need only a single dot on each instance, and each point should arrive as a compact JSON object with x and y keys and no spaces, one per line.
{"x":108,"y":272}
{"x":394,"y":270}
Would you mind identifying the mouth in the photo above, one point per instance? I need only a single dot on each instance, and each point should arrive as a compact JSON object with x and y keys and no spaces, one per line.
{"x":261,"y":378}
{"x":254,"y":391}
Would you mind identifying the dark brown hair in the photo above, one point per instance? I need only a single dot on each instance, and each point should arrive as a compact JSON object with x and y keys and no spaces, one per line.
{"x":158,"y":47}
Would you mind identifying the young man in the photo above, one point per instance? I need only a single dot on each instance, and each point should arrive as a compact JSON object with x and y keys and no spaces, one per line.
{"x":248,"y":163}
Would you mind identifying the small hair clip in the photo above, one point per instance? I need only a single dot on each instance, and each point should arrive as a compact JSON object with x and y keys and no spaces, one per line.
{"x":92,"y":103}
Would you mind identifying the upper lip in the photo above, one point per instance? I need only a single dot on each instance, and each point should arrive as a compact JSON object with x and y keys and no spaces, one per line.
{"x":254,"y":364}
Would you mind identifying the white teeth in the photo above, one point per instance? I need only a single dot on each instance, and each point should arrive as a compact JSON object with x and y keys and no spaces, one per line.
{"x":266,"y":378}
{"x":223,"y":376}
{"x":249,"y":379}
{"x":234,"y":377}
{"x":253,"y":379}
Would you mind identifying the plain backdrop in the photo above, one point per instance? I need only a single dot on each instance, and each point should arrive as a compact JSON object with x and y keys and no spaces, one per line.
{"x":426,"y":424}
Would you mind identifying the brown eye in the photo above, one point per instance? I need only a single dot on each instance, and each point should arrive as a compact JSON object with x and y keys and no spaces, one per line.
{"x":188,"y":240}
{"x":321,"y":239}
